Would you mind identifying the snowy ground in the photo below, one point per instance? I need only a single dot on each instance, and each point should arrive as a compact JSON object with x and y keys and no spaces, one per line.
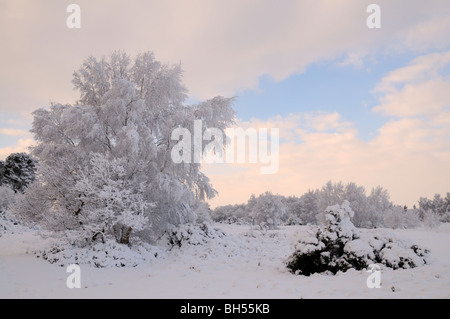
{"x":248,"y":267}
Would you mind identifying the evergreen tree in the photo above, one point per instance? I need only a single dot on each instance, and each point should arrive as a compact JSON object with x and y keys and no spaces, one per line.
{"x":18,"y":171}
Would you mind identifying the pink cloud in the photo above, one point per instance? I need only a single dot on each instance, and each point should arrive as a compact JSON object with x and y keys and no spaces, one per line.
{"x":409,"y":157}
{"x":21,"y":146}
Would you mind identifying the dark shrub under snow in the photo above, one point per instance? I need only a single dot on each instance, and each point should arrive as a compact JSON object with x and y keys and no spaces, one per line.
{"x":339,"y":246}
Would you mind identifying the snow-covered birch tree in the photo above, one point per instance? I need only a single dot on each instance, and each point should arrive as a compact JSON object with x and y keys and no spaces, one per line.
{"x":127,"y":111}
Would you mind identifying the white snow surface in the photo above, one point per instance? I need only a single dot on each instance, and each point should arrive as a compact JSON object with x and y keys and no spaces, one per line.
{"x":243,"y":264}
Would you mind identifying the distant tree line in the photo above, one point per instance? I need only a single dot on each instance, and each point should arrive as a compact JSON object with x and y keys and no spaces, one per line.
{"x":372,"y":210}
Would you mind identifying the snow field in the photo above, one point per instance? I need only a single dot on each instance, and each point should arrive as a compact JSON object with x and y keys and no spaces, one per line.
{"x":243,"y":264}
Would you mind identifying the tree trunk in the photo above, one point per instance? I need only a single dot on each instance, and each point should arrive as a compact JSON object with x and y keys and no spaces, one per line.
{"x":122,"y":234}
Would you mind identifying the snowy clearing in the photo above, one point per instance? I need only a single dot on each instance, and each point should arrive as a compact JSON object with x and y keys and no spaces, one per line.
{"x":243,"y":265}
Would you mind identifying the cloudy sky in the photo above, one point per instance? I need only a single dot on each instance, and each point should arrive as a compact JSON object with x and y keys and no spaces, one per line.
{"x":352,"y":103}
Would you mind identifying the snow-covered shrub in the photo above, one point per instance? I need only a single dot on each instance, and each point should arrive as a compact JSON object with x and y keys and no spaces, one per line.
{"x":189,"y":234}
{"x":293,"y":220}
{"x":9,"y":224}
{"x":339,"y":246}
{"x":106,"y":254}
{"x":236,"y":220}
{"x":34,"y":206}
{"x":222,"y":213}
{"x":7,"y":197}
{"x":232,"y":220}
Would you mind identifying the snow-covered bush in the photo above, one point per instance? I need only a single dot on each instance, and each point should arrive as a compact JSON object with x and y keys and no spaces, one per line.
{"x":8,"y":225}
{"x":7,"y":198}
{"x":229,"y":212}
{"x":105,"y":254}
{"x":235,"y":220}
{"x":8,"y":222}
{"x":189,"y":234}
{"x":34,"y":207}
{"x":232,"y":220}
{"x":293,"y":220}
{"x":339,"y":246}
